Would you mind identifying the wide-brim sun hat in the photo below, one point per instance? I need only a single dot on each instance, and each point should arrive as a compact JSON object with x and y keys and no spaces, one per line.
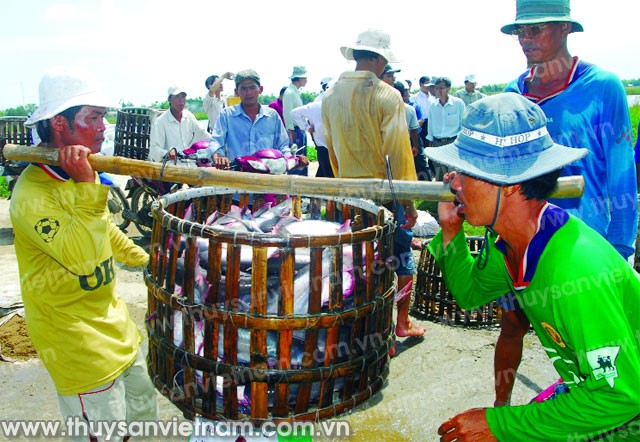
{"x":299,"y":72}
{"x":504,"y":140}
{"x":529,"y":12}
{"x":373,"y":40}
{"x":61,"y":89}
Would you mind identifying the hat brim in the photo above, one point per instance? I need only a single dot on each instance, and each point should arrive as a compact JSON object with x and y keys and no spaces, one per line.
{"x":51,"y":109}
{"x":347,"y":52}
{"x":505,"y":171}
{"x":508,"y":29}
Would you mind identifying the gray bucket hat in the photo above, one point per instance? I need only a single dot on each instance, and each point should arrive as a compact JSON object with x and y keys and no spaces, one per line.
{"x":530,"y":12}
{"x":504,"y":140}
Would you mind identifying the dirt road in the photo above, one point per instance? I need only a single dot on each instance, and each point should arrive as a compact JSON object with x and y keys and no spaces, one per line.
{"x":431,"y":379}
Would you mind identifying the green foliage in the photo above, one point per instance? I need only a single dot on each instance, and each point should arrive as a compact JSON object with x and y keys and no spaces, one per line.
{"x":4,"y":187}
{"x":633,"y":82}
{"x":312,"y":153}
{"x":633,"y":90}
{"x":635,"y":120}
{"x":201,"y":116}
{"x":18,"y":111}
{"x":491,"y":89}
{"x":266,"y":98}
{"x":308,"y":97}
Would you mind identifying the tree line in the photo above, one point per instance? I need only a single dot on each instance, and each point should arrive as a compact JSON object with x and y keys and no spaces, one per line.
{"x":195,"y":104}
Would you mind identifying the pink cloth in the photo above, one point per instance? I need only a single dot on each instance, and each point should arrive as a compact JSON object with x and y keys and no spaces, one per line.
{"x":277,"y":106}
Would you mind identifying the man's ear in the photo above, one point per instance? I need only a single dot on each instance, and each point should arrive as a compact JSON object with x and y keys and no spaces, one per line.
{"x":58,"y":123}
{"x":513,"y":189}
{"x":565,"y":27}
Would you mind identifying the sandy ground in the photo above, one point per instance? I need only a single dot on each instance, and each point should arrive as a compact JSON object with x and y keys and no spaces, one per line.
{"x":431,"y":379}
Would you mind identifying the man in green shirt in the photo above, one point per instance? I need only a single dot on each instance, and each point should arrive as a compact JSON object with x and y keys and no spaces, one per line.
{"x":580,"y":295}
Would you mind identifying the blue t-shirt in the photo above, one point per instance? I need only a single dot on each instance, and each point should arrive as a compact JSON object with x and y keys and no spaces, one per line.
{"x":592,"y":111}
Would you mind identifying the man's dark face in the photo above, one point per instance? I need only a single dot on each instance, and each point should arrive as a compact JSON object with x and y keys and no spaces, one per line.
{"x":542,"y":42}
{"x":86,"y":129}
{"x":248,"y":90}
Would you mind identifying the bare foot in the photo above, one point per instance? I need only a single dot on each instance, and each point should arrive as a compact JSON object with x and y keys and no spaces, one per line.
{"x":412,"y":330}
{"x":392,"y":351}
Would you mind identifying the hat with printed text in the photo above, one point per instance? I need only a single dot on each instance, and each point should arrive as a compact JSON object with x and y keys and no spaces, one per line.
{"x":504,"y":140}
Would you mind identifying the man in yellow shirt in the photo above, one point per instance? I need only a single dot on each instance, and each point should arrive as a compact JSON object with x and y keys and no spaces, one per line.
{"x":364,"y":122}
{"x":66,"y":246}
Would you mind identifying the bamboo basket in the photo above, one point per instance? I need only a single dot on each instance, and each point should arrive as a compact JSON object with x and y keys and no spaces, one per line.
{"x":13,"y":131}
{"x":434,"y":302}
{"x":301,"y":365}
{"x":133,"y":130}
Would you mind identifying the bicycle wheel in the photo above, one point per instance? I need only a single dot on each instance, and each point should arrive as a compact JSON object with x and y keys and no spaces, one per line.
{"x":117,"y":204}
{"x":141,"y":206}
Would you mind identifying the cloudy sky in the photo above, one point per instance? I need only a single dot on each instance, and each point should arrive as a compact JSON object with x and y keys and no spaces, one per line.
{"x":137,"y":48}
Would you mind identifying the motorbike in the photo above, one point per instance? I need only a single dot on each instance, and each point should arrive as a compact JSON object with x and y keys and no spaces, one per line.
{"x":143,"y":192}
{"x":117,"y":202}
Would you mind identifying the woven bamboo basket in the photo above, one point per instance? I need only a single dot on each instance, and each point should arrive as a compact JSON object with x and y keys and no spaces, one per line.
{"x":133,"y":129}
{"x":13,"y":131}
{"x":434,"y":302}
{"x":230,"y":357}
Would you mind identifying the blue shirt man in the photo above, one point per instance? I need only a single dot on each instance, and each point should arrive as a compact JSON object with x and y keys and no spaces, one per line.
{"x":247,"y":127}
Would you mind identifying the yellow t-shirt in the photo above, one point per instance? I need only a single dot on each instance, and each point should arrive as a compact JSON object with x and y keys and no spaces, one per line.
{"x":364,"y":120}
{"x":66,"y":246}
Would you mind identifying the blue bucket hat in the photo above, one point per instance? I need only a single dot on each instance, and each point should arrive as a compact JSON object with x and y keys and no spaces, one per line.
{"x":529,"y":12}
{"x":504,"y":140}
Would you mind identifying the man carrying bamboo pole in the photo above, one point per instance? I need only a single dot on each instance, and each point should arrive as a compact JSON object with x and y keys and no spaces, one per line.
{"x":581,"y":296}
{"x":66,"y":246}
{"x":364,"y":122}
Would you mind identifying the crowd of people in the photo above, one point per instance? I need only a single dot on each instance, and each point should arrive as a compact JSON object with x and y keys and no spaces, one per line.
{"x":559,"y":266}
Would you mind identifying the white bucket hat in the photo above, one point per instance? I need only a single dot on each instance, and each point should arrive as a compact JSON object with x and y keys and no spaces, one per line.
{"x":373,"y":40}
{"x":61,"y":89}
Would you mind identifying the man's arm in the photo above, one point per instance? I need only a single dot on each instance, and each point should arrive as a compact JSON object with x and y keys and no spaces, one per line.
{"x":75,"y":210}
{"x":157,"y":141}
{"x":280,"y":136}
{"x":300,"y":116}
{"x":218,"y":140}
{"x":621,"y":173}
{"x":199,"y":133}
{"x":124,"y":250}
{"x":288,"y":102}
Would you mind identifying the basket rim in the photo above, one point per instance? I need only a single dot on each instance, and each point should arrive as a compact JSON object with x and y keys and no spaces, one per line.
{"x":259,"y":239}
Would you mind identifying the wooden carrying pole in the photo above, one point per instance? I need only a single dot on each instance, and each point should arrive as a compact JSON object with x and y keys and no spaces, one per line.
{"x":374,"y":189}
